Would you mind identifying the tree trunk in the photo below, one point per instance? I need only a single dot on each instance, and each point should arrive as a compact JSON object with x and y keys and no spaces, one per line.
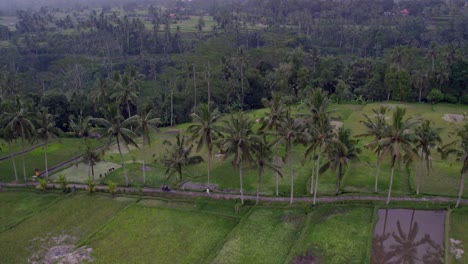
{"x":242,"y":86}
{"x":418,"y":177}
{"x":92,"y":170}
{"x":391,"y":183}
{"x":24,"y":163}
{"x":312,"y":175}
{"x":123,"y":162}
{"x":45,"y":161}
{"x":128,"y":109}
{"x":317,"y":176}
{"x":277,"y":183}
{"x":194,"y":90}
{"x":13,"y":161}
{"x":377,"y":173}
{"x":144,"y":161}
{"x":420,"y":91}
{"x":240,"y":180}
{"x":258,"y":183}
{"x":338,"y":181}
{"x":291,"y":174}
{"x":209,"y":164}
{"x":460,"y":192}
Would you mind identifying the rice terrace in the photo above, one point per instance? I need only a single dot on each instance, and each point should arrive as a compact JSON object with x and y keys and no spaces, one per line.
{"x":233,"y":131}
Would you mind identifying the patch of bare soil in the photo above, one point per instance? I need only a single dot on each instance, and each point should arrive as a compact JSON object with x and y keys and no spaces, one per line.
{"x":59,"y":249}
{"x":173,"y":132}
{"x":307,"y":258}
{"x":454,"y":118}
{"x":114,"y":149}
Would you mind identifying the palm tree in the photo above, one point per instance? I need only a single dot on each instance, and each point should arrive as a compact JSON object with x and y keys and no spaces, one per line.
{"x":81,"y":127}
{"x":100,"y":93}
{"x":9,"y":137}
{"x":115,"y":127}
{"x":376,"y":127}
{"x":126,"y":87}
{"x":179,"y":156}
{"x":460,"y":149}
{"x":46,"y":131}
{"x":205,"y":130}
{"x":264,"y":160}
{"x":397,"y":141}
{"x":20,"y":125}
{"x":318,"y":103}
{"x":91,"y":157}
{"x":426,"y":139}
{"x":433,"y":53}
{"x":398,"y":56}
{"x":146,"y":123}
{"x":341,"y":153}
{"x":239,"y":140}
{"x":272,"y":119}
{"x":290,"y":131}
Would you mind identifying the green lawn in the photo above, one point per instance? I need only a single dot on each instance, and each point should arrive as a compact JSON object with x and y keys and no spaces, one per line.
{"x":266,"y":236}
{"x":148,"y":235}
{"x":57,"y":152}
{"x":74,"y":218}
{"x":459,"y":230}
{"x":16,"y":206}
{"x":336,"y":234}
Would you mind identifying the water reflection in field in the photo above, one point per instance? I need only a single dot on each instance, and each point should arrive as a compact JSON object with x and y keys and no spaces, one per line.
{"x":409,"y":237}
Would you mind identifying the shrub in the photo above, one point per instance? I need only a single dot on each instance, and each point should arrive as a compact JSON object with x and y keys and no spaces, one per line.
{"x":42,"y":185}
{"x":91,"y":185}
{"x":62,"y":180}
{"x":112,"y":187}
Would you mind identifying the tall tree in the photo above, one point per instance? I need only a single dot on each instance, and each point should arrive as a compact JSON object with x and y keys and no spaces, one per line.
{"x":46,"y":130}
{"x":272,"y":120}
{"x":264,"y":160}
{"x":9,"y":137}
{"x":397,"y":141}
{"x":290,"y":131}
{"x":115,"y":127}
{"x":459,"y":148}
{"x":239,"y":141}
{"x":91,"y":157}
{"x":19,"y":124}
{"x":179,"y":156}
{"x":205,"y":130}
{"x":427,"y":138}
{"x":126,"y":88}
{"x":146,"y":123}
{"x":341,"y":153}
{"x":376,"y":127}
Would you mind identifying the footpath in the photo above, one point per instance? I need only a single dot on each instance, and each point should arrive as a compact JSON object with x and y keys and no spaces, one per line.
{"x":214,"y":195}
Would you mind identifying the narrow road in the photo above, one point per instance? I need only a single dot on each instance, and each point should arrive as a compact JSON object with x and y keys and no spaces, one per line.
{"x":329,"y":199}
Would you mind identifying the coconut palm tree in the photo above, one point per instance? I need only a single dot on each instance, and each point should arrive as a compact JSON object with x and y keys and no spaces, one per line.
{"x":460,"y":149}
{"x":115,"y":127}
{"x":20,"y":125}
{"x":376,"y":127}
{"x":46,"y":130}
{"x":178,"y":156}
{"x":427,"y":138}
{"x":147,"y":122}
{"x":433,"y":53}
{"x":290,"y":131}
{"x":91,"y":157}
{"x":273,"y":119}
{"x":397,"y":141}
{"x":318,"y":103}
{"x":126,"y":90}
{"x":239,"y":141}
{"x":205,"y":130}
{"x":341,"y":153}
{"x":81,"y":126}
{"x":9,"y":137}
{"x":264,"y":160}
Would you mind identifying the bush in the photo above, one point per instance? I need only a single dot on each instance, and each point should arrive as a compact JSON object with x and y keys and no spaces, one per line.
{"x":91,"y":185}
{"x":464,"y":99}
{"x":62,"y":180}
{"x":450,"y":98}
{"x":42,"y":185}
{"x":435,"y":96}
{"x":112,"y":187}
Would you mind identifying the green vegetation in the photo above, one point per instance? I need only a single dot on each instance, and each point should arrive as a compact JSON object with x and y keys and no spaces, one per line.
{"x":459,"y":230}
{"x":73,"y":218}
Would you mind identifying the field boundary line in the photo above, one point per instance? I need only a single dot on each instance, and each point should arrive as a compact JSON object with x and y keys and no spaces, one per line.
{"x":86,"y":240}
{"x":57,"y":199}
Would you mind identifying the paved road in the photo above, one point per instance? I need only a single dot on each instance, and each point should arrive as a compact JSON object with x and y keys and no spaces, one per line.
{"x":333,"y":199}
